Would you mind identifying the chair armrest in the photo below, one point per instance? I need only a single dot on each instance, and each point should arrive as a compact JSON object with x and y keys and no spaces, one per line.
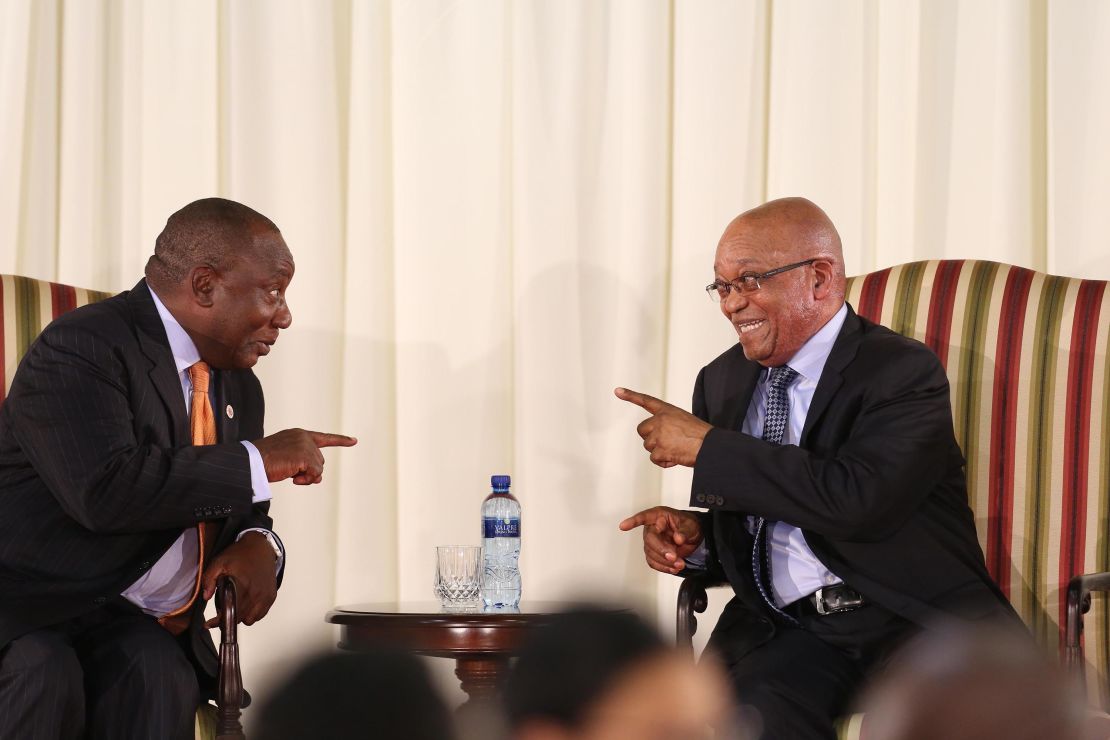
{"x":692,"y":600}
{"x":1079,"y":603}
{"x":229,"y":694}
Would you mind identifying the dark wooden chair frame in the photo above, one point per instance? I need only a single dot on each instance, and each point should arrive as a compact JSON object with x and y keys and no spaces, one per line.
{"x":229,"y":691}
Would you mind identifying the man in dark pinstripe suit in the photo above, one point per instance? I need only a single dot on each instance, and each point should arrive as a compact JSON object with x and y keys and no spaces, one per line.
{"x":102,"y":490}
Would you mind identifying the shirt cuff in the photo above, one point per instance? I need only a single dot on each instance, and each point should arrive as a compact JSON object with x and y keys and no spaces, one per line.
{"x":260,"y":484}
{"x":275,"y":542}
{"x":696,"y":559}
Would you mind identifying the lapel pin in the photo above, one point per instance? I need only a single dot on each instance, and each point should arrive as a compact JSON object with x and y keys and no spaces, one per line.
{"x":230,"y":412}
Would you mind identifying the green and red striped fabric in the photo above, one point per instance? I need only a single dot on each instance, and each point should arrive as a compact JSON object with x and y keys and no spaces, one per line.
{"x":1026,"y":354}
{"x":28,"y":305}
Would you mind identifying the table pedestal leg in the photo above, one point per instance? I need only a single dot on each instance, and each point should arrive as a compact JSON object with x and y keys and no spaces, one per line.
{"x":480,"y":677}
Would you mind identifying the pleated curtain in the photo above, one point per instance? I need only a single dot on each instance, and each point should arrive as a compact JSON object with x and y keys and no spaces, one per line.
{"x":500,"y":210}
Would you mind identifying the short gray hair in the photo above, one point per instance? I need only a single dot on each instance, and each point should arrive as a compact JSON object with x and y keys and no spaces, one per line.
{"x":210,"y":231}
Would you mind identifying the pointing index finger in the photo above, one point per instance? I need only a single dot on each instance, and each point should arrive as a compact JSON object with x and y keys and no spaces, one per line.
{"x":326,"y":439}
{"x":650,"y":404}
{"x":637,"y":520}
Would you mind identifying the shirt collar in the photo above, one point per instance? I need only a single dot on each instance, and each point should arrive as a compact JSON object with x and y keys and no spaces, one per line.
{"x":810,"y":359}
{"x":185,"y":353}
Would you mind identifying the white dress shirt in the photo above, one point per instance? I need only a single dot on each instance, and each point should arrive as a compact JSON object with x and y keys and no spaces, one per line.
{"x":795,"y":570}
{"x":169,"y":584}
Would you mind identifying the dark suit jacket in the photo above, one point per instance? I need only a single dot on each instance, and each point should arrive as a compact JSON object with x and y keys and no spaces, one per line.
{"x":98,"y":475}
{"x":876,"y":484}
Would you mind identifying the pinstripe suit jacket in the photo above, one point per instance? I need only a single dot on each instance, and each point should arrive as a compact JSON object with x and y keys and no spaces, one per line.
{"x":98,"y":476}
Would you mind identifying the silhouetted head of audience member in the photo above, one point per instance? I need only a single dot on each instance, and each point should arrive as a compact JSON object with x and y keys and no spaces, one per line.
{"x":379,"y":694}
{"x":972,"y":683}
{"x":600,"y":675}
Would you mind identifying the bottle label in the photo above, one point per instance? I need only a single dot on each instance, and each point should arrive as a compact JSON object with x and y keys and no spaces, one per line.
{"x":500,"y":527}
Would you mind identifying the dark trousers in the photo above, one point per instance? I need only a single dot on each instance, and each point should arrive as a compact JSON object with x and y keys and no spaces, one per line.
{"x":113,"y":673}
{"x":800,"y":681}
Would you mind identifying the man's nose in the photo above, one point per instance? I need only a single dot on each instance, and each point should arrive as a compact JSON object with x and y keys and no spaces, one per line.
{"x":735,"y":300}
{"x":284,"y":317}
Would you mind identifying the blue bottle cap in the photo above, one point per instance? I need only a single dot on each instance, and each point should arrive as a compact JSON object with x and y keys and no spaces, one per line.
{"x":499,"y":482}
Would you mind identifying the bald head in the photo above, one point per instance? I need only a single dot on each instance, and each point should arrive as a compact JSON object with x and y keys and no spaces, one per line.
{"x":791,"y":229}
{"x":782,"y":272}
{"x":211,"y":232}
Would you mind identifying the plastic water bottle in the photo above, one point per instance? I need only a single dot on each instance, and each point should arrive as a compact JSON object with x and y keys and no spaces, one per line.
{"x":500,"y":546}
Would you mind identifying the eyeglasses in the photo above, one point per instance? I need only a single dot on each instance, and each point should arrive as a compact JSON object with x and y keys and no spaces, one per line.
{"x":718,"y":290}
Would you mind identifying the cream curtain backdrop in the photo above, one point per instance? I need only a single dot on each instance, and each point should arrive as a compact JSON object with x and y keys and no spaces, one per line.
{"x":502,"y":210}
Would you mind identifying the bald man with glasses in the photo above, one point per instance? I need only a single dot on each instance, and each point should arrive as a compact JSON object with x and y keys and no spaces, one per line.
{"x":830,"y":484}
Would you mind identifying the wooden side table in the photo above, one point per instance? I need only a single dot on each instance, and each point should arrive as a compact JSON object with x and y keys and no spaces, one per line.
{"x":481,"y":642}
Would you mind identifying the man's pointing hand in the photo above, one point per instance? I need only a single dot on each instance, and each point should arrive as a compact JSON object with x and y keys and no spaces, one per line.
{"x":295,"y":453}
{"x":671,"y":435}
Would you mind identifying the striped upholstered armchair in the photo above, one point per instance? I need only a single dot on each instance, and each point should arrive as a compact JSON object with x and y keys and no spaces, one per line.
{"x":26,"y":307}
{"x":1028,"y":362}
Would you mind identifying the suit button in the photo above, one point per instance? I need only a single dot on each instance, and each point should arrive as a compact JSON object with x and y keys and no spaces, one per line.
{"x":700,"y":498}
{"x":100,"y":600}
{"x":720,"y":501}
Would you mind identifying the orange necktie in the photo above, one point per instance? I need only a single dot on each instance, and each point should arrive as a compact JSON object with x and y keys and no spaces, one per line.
{"x":203,"y":426}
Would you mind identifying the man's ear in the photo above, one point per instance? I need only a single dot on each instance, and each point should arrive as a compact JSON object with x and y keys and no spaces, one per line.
{"x":822,"y":280}
{"x":202,"y":285}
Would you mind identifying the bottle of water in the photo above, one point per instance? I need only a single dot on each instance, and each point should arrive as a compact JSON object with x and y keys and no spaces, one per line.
{"x":500,"y":546}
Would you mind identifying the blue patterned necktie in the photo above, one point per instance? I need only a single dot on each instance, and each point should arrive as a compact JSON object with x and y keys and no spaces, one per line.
{"x":774,"y":426}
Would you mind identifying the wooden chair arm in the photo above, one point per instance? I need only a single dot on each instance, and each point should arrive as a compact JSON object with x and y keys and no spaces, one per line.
{"x":1079,"y":603}
{"x":229,"y":693}
{"x":692,"y":600}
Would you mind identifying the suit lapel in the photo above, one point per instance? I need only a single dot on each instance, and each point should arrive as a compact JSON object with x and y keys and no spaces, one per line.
{"x":843,"y":352}
{"x":739,"y":384}
{"x":225,"y":395}
{"x":225,"y":401}
{"x":156,"y":347}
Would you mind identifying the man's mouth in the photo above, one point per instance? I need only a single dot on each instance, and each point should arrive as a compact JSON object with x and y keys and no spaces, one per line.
{"x":748,"y":326}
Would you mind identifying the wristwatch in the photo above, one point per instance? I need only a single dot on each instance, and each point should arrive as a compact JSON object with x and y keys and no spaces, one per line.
{"x":270,"y":537}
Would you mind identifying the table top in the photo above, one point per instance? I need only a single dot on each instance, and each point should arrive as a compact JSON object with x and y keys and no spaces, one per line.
{"x":431,"y":613}
{"x":427,"y":629}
